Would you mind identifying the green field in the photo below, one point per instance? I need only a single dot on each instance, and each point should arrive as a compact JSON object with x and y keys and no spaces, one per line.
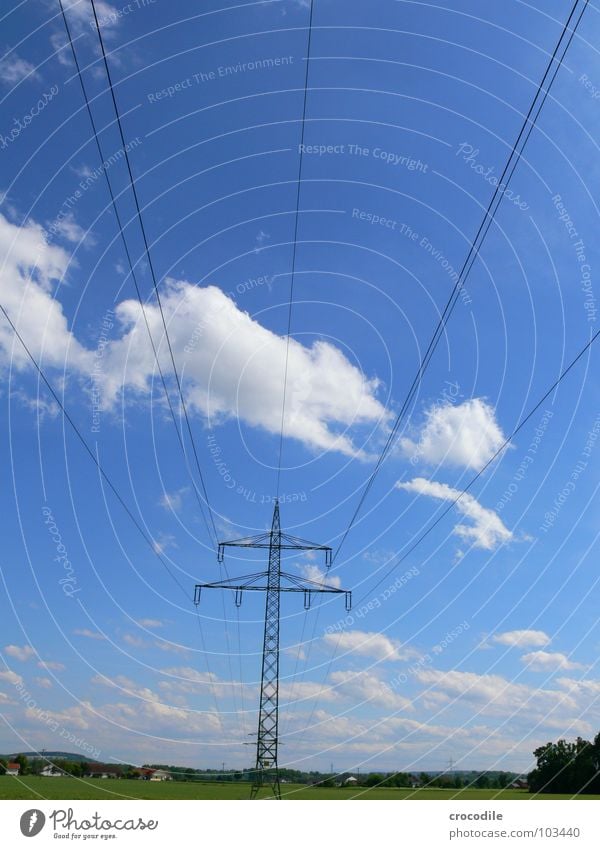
{"x":34,"y":787}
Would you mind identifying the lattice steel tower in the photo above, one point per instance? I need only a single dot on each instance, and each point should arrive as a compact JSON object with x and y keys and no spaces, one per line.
{"x":275,"y":583}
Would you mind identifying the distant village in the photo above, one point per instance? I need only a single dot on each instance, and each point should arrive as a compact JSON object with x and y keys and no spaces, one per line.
{"x":65,"y":764}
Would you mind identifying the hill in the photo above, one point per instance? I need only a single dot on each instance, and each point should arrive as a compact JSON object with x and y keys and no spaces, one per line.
{"x":51,"y":756}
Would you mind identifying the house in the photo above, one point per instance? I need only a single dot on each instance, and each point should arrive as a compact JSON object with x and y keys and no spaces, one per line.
{"x":519,"y":784}
{"x":51,"y":771}
{"x":147,"y":774}
{"x":350,"y":781}
{"x":160,"y":775}
{"x":12,"y":769}
{"x":103,"y":771}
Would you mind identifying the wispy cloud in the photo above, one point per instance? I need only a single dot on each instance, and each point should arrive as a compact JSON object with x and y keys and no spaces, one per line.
{"x":22,"y":653}
{"x":544,"y":661}
{"x":91,"y":635}
{"x":487,"y":530}
{"x":13,"y":69}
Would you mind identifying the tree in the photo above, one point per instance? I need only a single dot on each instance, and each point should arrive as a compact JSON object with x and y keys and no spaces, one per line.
{"x":374,"y":779}
{"x":564,"y":767}
{"x":23,"y":764}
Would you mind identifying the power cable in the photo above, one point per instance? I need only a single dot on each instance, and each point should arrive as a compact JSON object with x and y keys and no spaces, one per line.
{"x":473,"y":252}
{"x":476,"y":477}
{"x":497,"y":197}
{"x":131,"y":267}
{"x":294,"y":251}
{"x":152,"y":272}
{"x":90,"y":452}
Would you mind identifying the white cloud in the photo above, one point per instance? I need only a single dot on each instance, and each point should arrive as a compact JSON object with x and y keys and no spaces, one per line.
{"x":21,"y":653}
{"x":173,"y":501}
{"x":135,"y":641}
{"x":29,"y":267}
{"x":91,"y":635}
{"x":226,"y":356}
{"x":163,"y":542}
{"x":42,"y":407}
{"x":494,"y":692}
{"x":81,"y":23}
{"x":544,"y":661}
{"x":11,"y":677}
{"x":150,"y":623}
{"x":487,"y":531}
{"x":13,"y":69}
{"x":228,"y":359}
{"x":45,"y":683}
{"x":466,"y":435}
{"x":186,"y":679}
{"x":584,"y":687}
{"x":293,"y":692}
{"x":165,"y":645}
{"x":51,"y":664}
{"x":312,"y":572}
{"x":79,"y":13}
{"x":369,"y":644}
{"x":68,"y":229}
{"x":522,"y":639}
{"x":368,"y":687}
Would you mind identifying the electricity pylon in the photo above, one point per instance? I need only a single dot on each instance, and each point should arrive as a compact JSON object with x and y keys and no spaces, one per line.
{"x":275,"y":583}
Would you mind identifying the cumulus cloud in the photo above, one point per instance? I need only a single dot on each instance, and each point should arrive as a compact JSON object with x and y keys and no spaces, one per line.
{"x":368,"y":687}
{"x":487,"y":530}
{"x":21,"y":653}
{"x":494,"y":692}
{"x":186,"y":679}
{"x":29,"y":268}
{"x":369,"y":644}
{"x":465,"y":435}
{"x":228,"y":360}
{"x":226,"y":357}
{"x":522,"y":639}
{"x":544,"y":661}
{"x":589,"y":688}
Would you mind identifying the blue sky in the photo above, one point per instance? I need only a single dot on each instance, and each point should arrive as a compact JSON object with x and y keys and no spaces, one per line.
{"x":482,"y":644}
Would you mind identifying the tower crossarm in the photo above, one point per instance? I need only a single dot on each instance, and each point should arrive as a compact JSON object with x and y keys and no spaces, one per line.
{"x":287,"y":542}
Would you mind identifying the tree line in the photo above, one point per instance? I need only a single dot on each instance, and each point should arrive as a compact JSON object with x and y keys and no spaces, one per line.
{"x":563,"y":767}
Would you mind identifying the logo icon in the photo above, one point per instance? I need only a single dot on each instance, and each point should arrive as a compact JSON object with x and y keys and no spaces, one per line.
{"x":32,"y":822}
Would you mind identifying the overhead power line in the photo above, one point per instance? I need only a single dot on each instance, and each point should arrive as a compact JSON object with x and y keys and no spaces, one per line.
{"x":213,"y":535}
{"x":153,"y":274}
{"x":91,"y":453}
{"x":497,"y":197}
{"x":476,"y":477}
{"x":132,"y":271}
{"x":294,"y":252}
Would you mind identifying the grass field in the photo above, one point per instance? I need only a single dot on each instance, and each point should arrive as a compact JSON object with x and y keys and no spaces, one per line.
{"x":33,"y":787}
